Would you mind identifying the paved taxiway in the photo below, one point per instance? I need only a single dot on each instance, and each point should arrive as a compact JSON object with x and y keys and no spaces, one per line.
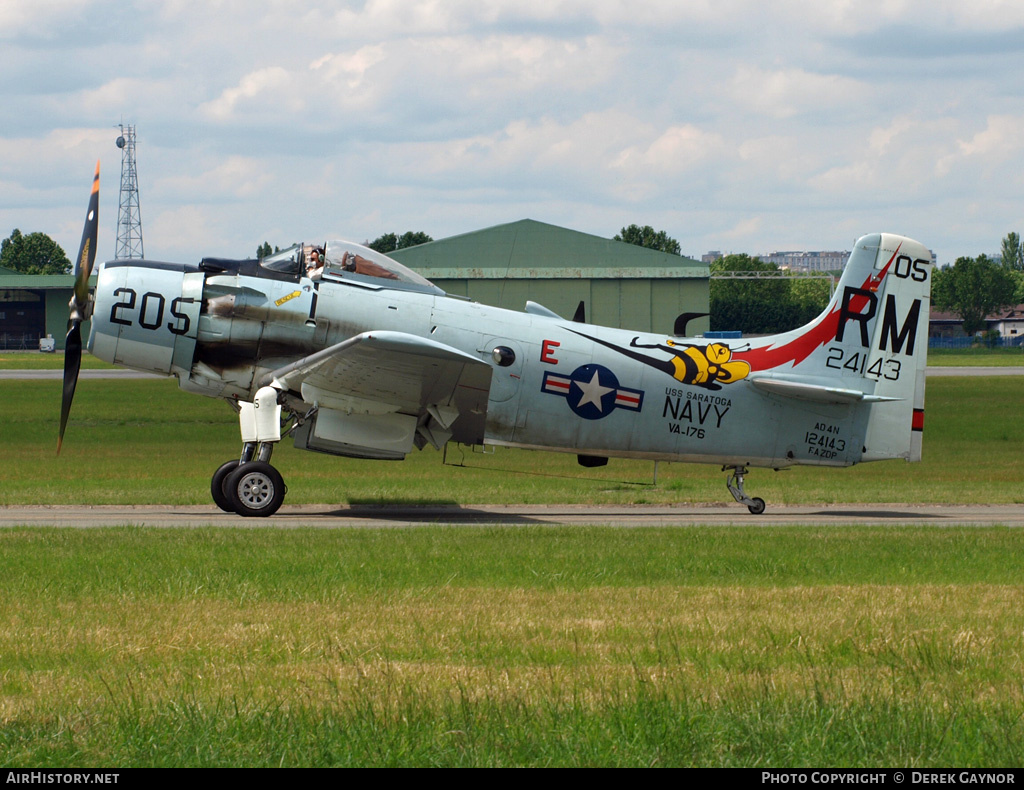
{"x":333,"y":516}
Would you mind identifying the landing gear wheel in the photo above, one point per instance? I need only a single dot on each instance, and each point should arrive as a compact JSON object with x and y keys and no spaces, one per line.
{"x":735,"y":485}
{"x":256,"y":489}
{"x":217,"y":489}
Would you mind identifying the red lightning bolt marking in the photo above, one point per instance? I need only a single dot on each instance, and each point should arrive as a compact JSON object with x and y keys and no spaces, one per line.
{"x":796,"y":351}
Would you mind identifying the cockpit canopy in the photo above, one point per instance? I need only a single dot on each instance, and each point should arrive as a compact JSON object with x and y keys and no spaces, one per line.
{"x":340,"y":260}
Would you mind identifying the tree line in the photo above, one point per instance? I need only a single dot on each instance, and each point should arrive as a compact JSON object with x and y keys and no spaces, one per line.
{"x":971,"y":289}
{"x":753,"y":304}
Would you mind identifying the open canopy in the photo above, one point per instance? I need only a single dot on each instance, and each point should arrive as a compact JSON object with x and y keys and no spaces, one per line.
{"x":347,"y":260}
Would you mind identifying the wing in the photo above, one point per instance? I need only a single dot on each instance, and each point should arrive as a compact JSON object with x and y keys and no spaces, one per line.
{"x":387,"y":373}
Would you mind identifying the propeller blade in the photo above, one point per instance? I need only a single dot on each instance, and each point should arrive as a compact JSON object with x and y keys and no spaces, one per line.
{"x":72,"y":365}
{"x":80,"y":305}
{"x":87,"y":250}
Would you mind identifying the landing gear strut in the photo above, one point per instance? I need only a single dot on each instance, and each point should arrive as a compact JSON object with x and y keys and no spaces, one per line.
{"x":735,"y":485}
{"x":250,"y":486}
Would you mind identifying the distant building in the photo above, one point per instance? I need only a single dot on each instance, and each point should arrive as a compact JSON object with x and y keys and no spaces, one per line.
{"x":620,"y":284}
{"x":1009,"y":323}
{"x":33,"y":306}
{"x":814,"y":261}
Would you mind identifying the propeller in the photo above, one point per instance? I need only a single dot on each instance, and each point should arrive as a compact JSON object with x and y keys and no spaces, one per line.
{"x":80,"y":304}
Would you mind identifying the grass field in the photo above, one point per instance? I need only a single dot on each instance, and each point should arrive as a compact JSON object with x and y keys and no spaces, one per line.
{"x":138,"y":442}
{"x":34,"y":360}
{"x":748,"y":646}
{"x":976,"y":357}
{"x":513,"y":646}
{"x":970,"y":357}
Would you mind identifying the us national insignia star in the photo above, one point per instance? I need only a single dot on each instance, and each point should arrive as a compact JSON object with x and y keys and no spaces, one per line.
{"x":592,"y":392}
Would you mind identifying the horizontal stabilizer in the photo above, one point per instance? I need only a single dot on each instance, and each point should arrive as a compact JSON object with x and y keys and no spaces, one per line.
{"x":802,"y":389}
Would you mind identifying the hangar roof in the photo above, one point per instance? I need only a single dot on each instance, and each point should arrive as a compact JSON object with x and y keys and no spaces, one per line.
{"x":530,"y":250}
{"x":39,"y":282}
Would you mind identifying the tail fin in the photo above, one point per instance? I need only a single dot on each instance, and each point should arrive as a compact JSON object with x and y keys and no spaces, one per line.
{"x":870,"y":346}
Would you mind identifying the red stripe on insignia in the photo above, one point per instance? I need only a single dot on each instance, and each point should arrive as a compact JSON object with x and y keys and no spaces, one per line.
{"x":918,"y":423}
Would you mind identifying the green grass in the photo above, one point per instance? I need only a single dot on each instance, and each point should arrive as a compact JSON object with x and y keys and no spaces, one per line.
{"x":752,"y":646}
{"x":976,"y":357}
{"x":34,"y":360}
{"x":138,"y":442}
{"x":512,"y":646}
{"x":937,"y":357}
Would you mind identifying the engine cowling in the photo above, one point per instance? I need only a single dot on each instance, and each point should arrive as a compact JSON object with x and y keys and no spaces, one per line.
{"x":146,"y":315}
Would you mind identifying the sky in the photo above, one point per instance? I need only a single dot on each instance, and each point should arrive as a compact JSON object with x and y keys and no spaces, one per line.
{"x":733,"y":125}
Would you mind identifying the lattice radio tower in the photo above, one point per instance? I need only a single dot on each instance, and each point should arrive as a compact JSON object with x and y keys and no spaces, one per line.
{"x":129,"y":220}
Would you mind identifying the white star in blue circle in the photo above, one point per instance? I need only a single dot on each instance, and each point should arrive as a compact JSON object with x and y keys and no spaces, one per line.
{"x":592,"y":395}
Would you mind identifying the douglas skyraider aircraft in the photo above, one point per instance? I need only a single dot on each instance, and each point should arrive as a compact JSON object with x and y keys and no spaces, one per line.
{"x":350,"y":353}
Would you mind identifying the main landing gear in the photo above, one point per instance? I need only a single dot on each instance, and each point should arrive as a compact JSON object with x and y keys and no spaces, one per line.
{"x":735,"y":485}
{"x":250,"y":486}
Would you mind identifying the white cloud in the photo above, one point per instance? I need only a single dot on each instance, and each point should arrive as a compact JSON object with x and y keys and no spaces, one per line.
{"x":784,"y":93}
{"x":35,"y":18}
{"x":730,"y":119}
{"x":999,"y":141}
{"x":233,"y":178}
{"x":258,"y":91}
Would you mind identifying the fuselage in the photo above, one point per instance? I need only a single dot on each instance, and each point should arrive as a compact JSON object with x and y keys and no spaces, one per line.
{"x":223,"y":328}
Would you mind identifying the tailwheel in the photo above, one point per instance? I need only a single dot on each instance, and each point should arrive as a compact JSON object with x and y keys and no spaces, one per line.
{"x":255,"y":489}
{"x":735,"y":485}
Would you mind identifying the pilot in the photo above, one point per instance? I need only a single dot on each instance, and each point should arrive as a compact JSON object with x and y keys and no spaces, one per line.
{"x":315,"y":264}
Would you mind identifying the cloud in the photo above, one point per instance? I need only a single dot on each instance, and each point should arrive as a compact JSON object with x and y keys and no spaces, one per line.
{"x":784,"y":93}
{"x":260,"y":91}
{"x":733,"y":119}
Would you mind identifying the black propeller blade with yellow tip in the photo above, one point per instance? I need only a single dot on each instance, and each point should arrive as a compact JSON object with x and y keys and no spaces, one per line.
{"x":80,"y":304}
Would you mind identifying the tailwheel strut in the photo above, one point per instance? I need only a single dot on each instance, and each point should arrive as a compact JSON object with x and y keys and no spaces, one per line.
{"x":735,"y":485}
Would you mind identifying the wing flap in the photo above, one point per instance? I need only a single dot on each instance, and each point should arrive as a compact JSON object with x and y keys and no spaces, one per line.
{"x":381,"y":372}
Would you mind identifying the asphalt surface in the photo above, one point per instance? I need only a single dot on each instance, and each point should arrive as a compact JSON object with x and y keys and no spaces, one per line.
{"x":332,"y":516}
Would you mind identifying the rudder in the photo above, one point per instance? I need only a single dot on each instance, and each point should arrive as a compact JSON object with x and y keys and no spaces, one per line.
{"x":869,"y":347}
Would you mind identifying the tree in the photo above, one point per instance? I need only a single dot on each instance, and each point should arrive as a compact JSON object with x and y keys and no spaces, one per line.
{"x":810,"y":298}
{"x":649,"y":238}
{"x":390,"y":242}
{"x":264,"y":251}
{"x":35,"y":253}
{"x":1013,"y":254}
{"x":973,"y":288}
{"x":753,"y":306}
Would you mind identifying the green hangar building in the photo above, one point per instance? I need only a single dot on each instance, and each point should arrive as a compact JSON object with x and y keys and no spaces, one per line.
{"x":620,"y":284}
{"x":33,"y":306}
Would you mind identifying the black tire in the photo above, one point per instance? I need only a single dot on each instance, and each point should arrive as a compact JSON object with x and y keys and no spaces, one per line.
{"x":758,"y":507}
{"x":256,"y":489}
{"x":217,"y":489}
